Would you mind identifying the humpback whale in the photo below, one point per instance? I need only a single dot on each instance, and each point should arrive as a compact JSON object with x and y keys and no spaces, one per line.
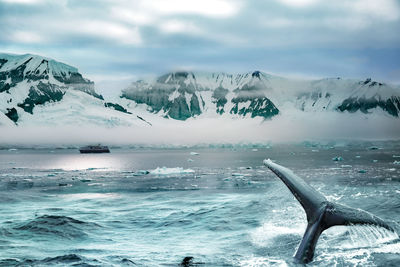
{"x":321,"y":213}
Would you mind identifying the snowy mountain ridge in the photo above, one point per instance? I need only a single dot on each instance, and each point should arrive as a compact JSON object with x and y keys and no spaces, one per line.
{"x":37,"y":65}
{"x":181,"y":95}
{"x":36,"y":90}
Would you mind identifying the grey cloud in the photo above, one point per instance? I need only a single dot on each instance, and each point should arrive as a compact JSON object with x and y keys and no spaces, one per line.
{"x":335,"y":38}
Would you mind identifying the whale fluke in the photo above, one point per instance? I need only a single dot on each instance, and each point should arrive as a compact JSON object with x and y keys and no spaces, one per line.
{"x":321,"y":213}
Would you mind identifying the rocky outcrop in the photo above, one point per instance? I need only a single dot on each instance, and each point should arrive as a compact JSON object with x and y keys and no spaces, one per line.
{"x":42,"y":93}
{"x":116,"y":107}
{"x":175,"y":95}
{"x":353,"y":104}
{"x":350,"y":96}
{"x":251,"y":100}
{"x":12,"y":114}
{"x":219,"y":99}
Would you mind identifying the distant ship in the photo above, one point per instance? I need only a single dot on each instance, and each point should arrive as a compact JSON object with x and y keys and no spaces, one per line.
{"x":94,"y":149}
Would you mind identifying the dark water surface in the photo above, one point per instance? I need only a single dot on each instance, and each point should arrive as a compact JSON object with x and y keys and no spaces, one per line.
{"x":220,"y":206}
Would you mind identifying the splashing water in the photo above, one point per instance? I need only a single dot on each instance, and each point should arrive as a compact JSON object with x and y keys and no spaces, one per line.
{"x":370,"y":236}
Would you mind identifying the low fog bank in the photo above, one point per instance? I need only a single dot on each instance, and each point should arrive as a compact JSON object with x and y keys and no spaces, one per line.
{"x":319,"y":127}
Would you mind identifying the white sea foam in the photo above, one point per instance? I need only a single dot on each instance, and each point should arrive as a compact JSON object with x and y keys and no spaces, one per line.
{"x":261,"y":262}
{"x":355,"y":244}
{"x":167,"y":171}
{"x":264,"y":236}
{"x":79,"y":196}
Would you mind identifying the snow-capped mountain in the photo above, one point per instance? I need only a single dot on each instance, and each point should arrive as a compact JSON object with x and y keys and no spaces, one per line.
{"x":350,"y":96}
{"x":182,"y":95}
{"x":37,"y":90}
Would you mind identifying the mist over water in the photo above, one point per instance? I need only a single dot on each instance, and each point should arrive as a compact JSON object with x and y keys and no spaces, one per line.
{"x":153,"y":202}
{"x":288,"y":127}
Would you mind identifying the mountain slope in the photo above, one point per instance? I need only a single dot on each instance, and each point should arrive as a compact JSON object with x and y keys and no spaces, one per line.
{"x":350,"y":96}
{"x":182,"y":95}
{"x":35,"y":90}
{"x":39,"y":90}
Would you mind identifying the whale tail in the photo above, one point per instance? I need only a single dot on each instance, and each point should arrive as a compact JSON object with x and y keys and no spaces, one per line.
{"x":321,"y":213}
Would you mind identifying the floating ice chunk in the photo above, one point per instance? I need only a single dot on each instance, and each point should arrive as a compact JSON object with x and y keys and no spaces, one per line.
{"x":12,"y":149}
{"x":337,"y":159}
{"x":346,"y":166}
{"x":141,"y":172}
{"x":137,"y":173}
{"x":397,"y":162}
{"x":194,"y":153}
{"x":254,"y":150}
{"x":396,"y":156}
{"x":373,"y":148}
{"x":190,"y":160}
{"x":315,"y":150}
{"x":167,"y":171}
{"x":358,"y":156}
{"x":237,"y":174}
{"x":245,"y":168}
{"x":94,"y":169}
{"x":375,"y":160}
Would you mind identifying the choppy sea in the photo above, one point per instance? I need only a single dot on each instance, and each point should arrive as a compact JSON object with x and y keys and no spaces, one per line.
{"x":212,"y":206}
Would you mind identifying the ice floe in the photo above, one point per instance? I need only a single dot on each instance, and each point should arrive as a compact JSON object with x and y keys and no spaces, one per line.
{"x":167,"y":171}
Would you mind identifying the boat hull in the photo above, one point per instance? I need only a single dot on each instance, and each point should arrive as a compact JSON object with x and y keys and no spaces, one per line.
{"x":94,"y":149}
{"x":88,"y":151}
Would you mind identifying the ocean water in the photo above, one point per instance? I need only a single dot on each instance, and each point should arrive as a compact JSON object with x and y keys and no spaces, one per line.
{"x":221,"y":206}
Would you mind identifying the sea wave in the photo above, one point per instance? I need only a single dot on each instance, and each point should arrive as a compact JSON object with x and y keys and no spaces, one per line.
{"x":54,"y":225}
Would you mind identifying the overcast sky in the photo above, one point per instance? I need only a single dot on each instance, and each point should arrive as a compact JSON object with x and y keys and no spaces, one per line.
{"x":113,"y":41}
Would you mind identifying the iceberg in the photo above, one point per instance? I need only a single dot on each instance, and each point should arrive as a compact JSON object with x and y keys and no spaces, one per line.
{"x":337,"y":159}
